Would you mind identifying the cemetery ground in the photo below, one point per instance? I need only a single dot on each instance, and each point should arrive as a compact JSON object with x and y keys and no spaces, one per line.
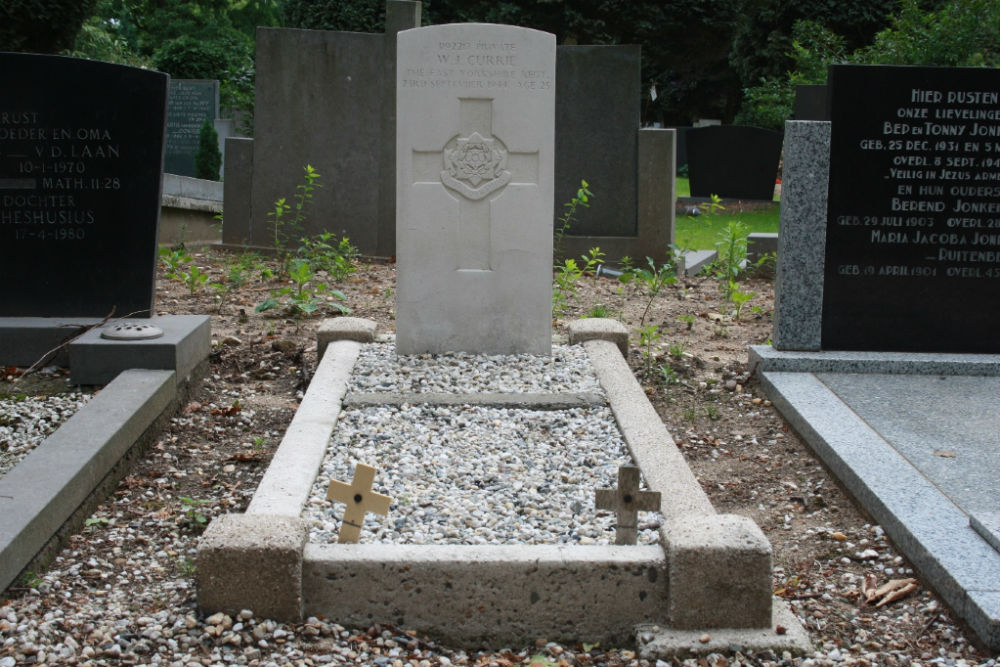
{"x":122,"y":590}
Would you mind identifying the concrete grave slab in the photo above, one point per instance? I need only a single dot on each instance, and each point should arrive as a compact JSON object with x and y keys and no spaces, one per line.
{"x":599,"y":328}
{"x":45,"y":490}
{"x":474,"y":191}
{"x":693,"y":261}
{"x":720,"y":571}
{"x":911,"y":492}
{"x":987,"y":524}
{"x":785,"y":633}
{"x":464,"y":594}
{"x":185,"y":343}
{"x":760,"y":244}
{"x":343,"y":328}
{"x":26,"y":340}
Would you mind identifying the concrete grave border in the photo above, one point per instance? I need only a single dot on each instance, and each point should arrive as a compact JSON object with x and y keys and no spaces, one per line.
{"x":60,"y":479}
{"x":710,"y":571}
{"x":47,"y":495}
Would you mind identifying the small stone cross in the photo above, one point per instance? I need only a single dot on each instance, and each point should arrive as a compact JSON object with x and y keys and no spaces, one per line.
{"x":360,"y":499}
{"x":626,"y":501}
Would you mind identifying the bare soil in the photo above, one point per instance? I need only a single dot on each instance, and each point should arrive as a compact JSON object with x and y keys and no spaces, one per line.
{"x":744,"y":454}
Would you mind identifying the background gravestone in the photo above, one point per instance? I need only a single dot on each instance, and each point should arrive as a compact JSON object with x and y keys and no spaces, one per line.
{"x":81,"y":152}
{"x":597,"y":118}
{"x":327,"y":99}
{"x":190,"y":103}
{"x":474,"y":159}
{"x":733,"y":161}
{"x":811,"y":103}
{"x":350,"y":140}
{"x":913,"y":230}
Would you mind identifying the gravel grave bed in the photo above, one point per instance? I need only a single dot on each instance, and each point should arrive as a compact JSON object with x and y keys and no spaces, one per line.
{"x":26,"y":422}
{"x":472,"y":474}
{"x":379,"y":369}
{"x":475,"y":475}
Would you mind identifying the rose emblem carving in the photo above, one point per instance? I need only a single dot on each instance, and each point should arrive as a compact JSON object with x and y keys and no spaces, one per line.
{"x":475,"y":166}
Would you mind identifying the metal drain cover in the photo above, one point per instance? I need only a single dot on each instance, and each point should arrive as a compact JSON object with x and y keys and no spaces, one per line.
{"x":131,"y":331}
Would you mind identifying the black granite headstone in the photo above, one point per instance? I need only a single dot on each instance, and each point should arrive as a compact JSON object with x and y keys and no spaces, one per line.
{"x":597,"y":140}
{"x":81,"y":154}
{"x":733,"y":161}
{"x":190,"y":103}
{"x":811,"y":103}
{"x":913,"y":231}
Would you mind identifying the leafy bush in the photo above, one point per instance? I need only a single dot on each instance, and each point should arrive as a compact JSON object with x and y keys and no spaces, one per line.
{"x":814,"y":48}
{"x":208,"y":159}
{"x":762,"y":45}
{"x":768,"y":105}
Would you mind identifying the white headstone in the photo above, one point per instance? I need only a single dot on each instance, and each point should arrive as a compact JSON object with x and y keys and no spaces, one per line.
{"x":475,"y":114}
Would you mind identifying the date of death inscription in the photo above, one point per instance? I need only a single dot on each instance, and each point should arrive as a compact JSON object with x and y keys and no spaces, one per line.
{"x":929,"y":204}
{"x":56,"y":183}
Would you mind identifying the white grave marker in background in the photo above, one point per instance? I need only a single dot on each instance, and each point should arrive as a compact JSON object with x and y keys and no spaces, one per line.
{"x":475,"y":152}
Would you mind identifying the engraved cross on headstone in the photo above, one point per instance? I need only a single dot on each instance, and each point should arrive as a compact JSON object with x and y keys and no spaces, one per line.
{"x":626,"y":501}
{"x":476,"y":166}
{"x":360,"y":500}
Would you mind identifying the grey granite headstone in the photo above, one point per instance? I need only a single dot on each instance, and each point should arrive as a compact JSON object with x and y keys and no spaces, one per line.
{"x":475,"y":137}
{"x":798,"y":288}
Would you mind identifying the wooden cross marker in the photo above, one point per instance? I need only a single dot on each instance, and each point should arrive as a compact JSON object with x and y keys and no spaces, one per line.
{"x":626,"y":501}
{"x":360,"y":500}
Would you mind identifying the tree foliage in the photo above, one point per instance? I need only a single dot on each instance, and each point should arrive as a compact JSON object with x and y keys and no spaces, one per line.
{"x":959,"y":33}
{"x":357,"y":16}
{"x":955,"y":33}
{"x":762,"y":44}
{"x":685,"y":43}
{"x":42,"y":26}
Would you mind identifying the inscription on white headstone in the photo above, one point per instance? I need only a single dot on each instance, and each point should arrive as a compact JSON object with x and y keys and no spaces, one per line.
{"x":475,"y":147}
